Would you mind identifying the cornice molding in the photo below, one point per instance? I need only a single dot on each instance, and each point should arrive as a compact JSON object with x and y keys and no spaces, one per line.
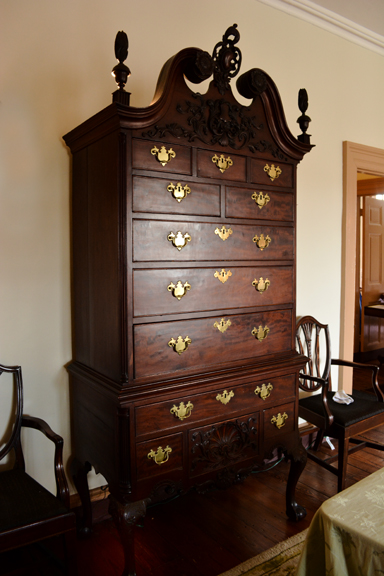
{"x":330,"y":21}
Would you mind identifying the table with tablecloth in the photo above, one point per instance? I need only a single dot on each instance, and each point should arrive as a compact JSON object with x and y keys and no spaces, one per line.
{"x":346,"y":535}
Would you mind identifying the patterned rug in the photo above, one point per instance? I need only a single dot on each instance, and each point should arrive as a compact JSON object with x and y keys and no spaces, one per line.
{"x":281,"y":560}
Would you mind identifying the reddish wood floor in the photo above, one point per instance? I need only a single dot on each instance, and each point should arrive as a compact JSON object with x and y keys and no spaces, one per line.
{"x":204,"y":535}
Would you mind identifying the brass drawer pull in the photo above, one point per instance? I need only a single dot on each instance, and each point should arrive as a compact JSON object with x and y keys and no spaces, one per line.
{"x":180,"y":345}
{"x":222,"y":163}
{"x":264,"y":392}
{"x":161,"y":456}
{"x":223,"y":233}
{"x":223,"y":325}
{"x":279,"y":420}
{"x":163,"y":155}
{"x":179,"y":290}
{"x":261,"y":285}
{"x":223,"y":275}
{"x":262,"y":241}
{"x":260,"y":333}
{"x":272,"y":171}
{"x":260,"y":199}
{"x":183,"y":411}
{"x":225,"y":397}
{"x":179,"y":240}
{"x":179,"y":192}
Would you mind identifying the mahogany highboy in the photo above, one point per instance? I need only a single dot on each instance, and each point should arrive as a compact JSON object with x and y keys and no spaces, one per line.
{"x":185,"y":370}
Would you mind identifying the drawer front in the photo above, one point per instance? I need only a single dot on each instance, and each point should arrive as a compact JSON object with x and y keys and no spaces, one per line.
{"x":213,"y":165}
{"x":159,"y":456}
{"x":279,"y":420}
{"x":262,"y":204}
{"x":259,"y":173}
{"x":183,"y":290}
{"x":169,"y":347}
{"x":172,"y":196}
{"x":144,"y":157}
{"x":223,"y":444}
{"x":219,"y":404}
{"x":189,"y":241}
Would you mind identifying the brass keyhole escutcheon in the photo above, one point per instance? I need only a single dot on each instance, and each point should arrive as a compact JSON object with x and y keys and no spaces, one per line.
{"x":179,"y":192}
{"x":264,"y":392}
{"x":179,"y":290}
{"x":223,"y":232}
{"x":222,"y":163}
{"x":161,"y":456}
{"x":260,"y":333}
{"x":279,"y":420}
{"x":163,"y":155}
{"x":260,"y":199}
{"x":180,"y":345}
{"x":179,"y":240}
{"x":223,"y":275}
{"x":261,"y":285}
{"x":262,"y":241}
{"x":183,"y":411}
{"x":223,"y":325}
{"x":225,"y":397}
{"x":272,"y":171}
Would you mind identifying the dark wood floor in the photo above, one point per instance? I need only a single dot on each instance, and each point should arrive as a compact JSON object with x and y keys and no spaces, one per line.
{"x":205,"y":535}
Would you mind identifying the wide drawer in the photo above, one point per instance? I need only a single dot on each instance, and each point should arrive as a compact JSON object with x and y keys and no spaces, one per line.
{"x":159,"y":456}
{"x":267,"y":173}
{"x":172,"y":196}
{"x":155,"y":240}
{"x":173,"y":158}
{"x":279,"y":421}
{"x":262,"y":204}
{"x":221,"y":166}
{"x":224,"y":444}
{"x":220,"y":404}
{"x":183,"y":290}
{"x":169,"y":347}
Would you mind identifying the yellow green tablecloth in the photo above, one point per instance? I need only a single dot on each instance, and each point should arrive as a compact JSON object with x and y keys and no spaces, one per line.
{"x":346,"y":535}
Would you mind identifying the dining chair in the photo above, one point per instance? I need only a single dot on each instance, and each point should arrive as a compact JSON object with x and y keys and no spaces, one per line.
{"x":347,"y":423}
{"x":29,"y":513}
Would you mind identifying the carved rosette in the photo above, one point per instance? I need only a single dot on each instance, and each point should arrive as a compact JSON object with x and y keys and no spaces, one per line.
{"x":224,"y":445}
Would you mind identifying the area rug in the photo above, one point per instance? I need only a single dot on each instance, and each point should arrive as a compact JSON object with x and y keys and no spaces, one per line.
{"x":281,"y":560}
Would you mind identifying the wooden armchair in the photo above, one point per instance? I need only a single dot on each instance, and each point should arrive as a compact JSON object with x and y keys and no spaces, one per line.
{"x":28,"y":512}
{"x":340,"y":421}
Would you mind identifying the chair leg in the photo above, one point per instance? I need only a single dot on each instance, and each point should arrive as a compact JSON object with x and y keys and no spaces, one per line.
{"x":342,"y":463}
{"x":71,"y":552}
{"x":319,"y":440}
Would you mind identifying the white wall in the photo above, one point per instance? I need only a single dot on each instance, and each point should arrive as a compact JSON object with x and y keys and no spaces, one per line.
{"x":55,"y":72}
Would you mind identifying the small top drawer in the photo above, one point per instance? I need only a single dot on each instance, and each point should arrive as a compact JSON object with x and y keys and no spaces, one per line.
{"x":221,"y":166}
{"x":218,"y":404}
{"x":267,"y":173}
{"x":150,"y":155}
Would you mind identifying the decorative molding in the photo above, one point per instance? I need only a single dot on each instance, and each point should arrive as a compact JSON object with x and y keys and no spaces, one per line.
{"x":330,"y":21}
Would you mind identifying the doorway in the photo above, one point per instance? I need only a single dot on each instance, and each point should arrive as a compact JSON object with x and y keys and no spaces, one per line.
{"x":369,"y":301}
{"x":369,"y":160}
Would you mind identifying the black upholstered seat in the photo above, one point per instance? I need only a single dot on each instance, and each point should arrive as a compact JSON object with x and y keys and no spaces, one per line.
{"x":344,"y":422}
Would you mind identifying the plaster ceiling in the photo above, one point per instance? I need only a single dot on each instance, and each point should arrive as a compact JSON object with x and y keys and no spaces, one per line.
{"x":366,"y":13}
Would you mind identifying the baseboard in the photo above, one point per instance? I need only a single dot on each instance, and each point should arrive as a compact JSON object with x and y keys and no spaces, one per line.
{"x":96,"y":494}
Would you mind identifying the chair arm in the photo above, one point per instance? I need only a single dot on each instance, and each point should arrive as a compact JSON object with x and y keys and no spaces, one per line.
{"x":61,"y":480}
{"x":374,"y":369}
{"x":324,"y":390}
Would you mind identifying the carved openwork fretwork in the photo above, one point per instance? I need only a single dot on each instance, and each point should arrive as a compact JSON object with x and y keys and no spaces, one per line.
{"x":224,"y":445}
{"x":226,"y":59}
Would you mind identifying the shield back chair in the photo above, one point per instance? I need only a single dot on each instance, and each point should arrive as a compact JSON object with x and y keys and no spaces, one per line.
{"x":340,"y":421}
{"x":28,"y":512}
